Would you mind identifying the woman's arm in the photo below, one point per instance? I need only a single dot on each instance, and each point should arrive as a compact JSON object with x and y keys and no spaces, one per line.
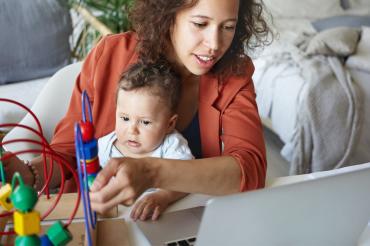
{"x":214,"y":176}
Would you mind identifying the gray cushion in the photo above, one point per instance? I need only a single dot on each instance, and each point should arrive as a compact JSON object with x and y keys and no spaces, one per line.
{"x":343,"y":20}
{"x":345,"y":4}
{"x":34,"y":38}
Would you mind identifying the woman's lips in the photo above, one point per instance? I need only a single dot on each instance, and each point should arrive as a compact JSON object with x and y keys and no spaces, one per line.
{"x":205,"y":61}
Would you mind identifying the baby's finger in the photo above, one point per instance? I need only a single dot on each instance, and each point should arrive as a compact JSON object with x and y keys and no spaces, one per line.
{"x":156,"y":213}
{"x":139,"y":210}
{"x":147,"y":212}
{"x":134,"y":209}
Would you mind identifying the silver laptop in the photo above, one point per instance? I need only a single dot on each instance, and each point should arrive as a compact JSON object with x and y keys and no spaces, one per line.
{"x":331,"y":210}
{"x":173,"y":228}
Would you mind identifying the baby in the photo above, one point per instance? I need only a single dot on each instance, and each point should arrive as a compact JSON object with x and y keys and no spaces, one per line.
{"x":147,"y":98}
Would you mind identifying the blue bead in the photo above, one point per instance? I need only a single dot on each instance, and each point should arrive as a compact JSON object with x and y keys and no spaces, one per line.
{"x":45,"y":241}
{"x":90,"y":149}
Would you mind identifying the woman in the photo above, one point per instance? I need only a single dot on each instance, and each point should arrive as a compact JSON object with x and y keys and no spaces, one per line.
{"x":204,"y":41}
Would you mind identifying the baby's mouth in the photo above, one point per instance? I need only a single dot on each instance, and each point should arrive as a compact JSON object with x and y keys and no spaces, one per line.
{"x":133,"y":143}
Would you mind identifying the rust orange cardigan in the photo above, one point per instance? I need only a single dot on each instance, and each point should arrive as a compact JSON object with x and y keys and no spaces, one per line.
{"x":228,"y":115}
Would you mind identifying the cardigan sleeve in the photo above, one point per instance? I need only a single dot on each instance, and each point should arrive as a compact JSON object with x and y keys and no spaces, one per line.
{"x":242,"y":135}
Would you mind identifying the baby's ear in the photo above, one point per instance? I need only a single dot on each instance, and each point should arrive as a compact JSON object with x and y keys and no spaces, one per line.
{"x":172,"y":123}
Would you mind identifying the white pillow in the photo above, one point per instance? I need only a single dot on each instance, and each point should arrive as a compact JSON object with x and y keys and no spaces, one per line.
{"x":361,"y":59}
{"x":359,"y":3}
{"x":304,"y":8}
{"x":339,"y":41}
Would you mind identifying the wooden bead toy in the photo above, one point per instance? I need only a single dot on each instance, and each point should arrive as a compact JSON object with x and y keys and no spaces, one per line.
{"x":58,"y":235}
{"x":87,"y":131}
{"x":26,"y":223}
{"x":5,"y":201}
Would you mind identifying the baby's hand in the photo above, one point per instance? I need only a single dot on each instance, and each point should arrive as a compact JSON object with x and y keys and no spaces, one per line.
{"x":151,"y":205}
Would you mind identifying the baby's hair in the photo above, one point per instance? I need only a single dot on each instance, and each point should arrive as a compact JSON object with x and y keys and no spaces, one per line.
{"x":157,"y":78}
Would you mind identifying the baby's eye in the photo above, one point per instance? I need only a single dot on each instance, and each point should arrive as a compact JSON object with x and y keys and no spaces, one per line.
{"x":124,"y":118}
{"x":146,"y":122}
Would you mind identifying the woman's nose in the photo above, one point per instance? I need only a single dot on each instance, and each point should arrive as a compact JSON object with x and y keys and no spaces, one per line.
{"x":212,"y":39}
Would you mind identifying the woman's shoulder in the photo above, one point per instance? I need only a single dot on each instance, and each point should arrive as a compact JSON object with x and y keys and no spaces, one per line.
{"x":119,"y":48}
{"x":125,"y":40}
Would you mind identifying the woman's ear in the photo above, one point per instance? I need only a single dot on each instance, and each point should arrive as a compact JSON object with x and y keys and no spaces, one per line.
{"x":172,"y":123}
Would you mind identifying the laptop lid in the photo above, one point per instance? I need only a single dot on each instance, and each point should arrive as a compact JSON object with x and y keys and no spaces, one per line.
{"x":331,"y":210}
{"x":173,"y":228}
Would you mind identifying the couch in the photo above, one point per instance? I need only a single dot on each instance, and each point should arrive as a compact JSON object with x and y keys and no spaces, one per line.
{"x":49,"y":106}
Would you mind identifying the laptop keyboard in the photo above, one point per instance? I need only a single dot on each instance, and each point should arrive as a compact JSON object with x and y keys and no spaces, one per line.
{"x":183,"y":242}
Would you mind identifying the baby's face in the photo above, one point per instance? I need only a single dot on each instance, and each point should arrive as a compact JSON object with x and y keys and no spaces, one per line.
{"x":142,"y":122}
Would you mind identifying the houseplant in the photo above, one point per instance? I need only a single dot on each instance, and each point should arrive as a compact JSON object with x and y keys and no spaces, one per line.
{"x":100,"y":17}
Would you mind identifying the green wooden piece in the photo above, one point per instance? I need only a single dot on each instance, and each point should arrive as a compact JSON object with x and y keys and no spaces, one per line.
{"x":59,"y":235}
{"x":24,"y":197}
{"x":32,"y":240}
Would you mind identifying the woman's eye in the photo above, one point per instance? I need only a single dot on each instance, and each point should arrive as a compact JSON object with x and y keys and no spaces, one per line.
{"x":229,"y":28}
{"x":199,"y":25}
{"x":124,"y":118}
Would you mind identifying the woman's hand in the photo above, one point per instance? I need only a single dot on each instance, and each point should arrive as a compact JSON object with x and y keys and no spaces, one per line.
{"x":14,"y":164}
{"x":121,"y":181}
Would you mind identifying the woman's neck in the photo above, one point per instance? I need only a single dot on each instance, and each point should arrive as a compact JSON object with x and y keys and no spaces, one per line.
{"x":177,"y":66}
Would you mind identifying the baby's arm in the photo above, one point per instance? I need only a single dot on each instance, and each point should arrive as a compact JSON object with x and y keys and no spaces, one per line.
{"x":151,"y":205}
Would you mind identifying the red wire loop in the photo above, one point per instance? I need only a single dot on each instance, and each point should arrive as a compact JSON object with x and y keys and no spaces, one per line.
{"x":45,"y":151}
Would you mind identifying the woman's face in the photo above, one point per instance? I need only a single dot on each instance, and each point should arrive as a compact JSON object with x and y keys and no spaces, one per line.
{"x":202,"y":34}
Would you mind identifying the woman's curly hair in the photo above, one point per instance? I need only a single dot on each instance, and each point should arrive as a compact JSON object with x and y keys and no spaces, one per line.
{"x":152,"y":21}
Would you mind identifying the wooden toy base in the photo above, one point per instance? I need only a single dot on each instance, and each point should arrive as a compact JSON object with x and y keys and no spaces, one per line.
{"x":110,"y":232}
{"x":65,"y":206}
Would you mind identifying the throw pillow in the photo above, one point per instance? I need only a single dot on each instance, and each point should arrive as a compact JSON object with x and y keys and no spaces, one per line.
{"x":303,"y":9}
{"x":358,"y":3}
{"x":343,"y":20}
{"x":35,"y":38}
{"x":340,"y":41}
{"x":361,"y":59}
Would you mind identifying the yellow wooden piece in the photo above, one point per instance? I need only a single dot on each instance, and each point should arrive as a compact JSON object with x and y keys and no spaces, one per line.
{"x":26,"y":223}
{"x":5,"y":192}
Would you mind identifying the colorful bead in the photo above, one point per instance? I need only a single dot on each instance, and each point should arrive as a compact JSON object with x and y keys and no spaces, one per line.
{"x":58,"y":235}
{"x":24,"y":198}
{"x":88,"y":161}
{"x":90,"y":149}
{"x":93,"y":167}
{"x":45,"y":241}
{"x":5,"y":201}
{"x":87,"y":131}
{"x":26,"y":223}
{"x":90,"y":179}
{"x":32,"y":240}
